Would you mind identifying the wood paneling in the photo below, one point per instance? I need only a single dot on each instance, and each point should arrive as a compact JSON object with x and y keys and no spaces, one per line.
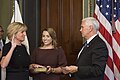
{"x":65,"y":17}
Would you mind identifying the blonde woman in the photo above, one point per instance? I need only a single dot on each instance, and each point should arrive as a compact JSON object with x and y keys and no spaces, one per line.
{"x":15,"y":57}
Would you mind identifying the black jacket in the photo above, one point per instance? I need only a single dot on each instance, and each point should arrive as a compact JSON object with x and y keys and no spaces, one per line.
{"x":92,"y":60}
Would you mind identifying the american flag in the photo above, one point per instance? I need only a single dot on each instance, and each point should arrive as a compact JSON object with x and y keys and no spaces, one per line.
{"x":107,"y":12}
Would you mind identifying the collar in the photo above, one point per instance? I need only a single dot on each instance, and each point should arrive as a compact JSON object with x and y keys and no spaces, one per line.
{"x":91,"y":38}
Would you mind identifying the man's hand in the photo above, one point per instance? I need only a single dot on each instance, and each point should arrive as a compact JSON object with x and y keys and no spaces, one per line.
{"x":69,"y":69}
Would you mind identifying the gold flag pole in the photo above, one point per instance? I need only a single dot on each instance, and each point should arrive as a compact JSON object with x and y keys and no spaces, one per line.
{"x":113,"y":21}
{"x":14,"y":9}
{"x":83,"y":13}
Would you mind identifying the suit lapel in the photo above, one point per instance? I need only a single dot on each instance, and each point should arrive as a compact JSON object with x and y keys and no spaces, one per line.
{"x":89,"y":45}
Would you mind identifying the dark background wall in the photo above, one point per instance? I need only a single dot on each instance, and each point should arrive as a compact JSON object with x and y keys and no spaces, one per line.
{"x":31,"y":17}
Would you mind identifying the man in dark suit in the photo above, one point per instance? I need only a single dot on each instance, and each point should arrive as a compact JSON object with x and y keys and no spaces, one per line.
{"x":92,"y":58}
{"x":2,"y":42}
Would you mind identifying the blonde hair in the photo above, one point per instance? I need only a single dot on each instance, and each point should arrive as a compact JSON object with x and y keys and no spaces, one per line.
{"x":52,"y":33}
{"x":14,"y":28}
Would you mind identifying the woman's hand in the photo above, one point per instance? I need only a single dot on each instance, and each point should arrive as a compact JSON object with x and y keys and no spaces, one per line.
{"x":65,"y":70}
{"x":69,"y":69}
{"x":49,"y":69}
{"x":13,"y":41}
{"x":36,"y":66}
{"x":53,"y":70}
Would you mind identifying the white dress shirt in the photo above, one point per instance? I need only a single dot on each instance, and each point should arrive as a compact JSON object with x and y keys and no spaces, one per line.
{"x":87,"y":43}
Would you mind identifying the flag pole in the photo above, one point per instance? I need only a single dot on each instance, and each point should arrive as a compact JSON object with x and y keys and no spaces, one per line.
{"x":113,"y":21}
{"x":14,"y":9}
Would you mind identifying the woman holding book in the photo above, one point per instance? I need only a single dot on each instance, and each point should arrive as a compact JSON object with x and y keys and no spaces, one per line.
{"x":47,"y":59}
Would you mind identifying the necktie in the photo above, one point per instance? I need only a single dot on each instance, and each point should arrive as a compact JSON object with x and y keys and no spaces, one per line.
{"x":0,"y":45}
{"x":84,"y":45}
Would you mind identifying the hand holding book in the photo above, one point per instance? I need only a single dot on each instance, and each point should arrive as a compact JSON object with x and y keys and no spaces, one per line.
{"x":35,"y":68}
{"x":40,"y":69}
{"x":69,"y":69}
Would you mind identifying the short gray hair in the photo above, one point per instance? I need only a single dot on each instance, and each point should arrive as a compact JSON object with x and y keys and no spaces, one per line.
{"x":92,"y":21}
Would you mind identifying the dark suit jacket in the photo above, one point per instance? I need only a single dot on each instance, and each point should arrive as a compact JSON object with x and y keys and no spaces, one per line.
{"x":92,"y":60}
{"x":3,"y":41}
{"x":1,"y":57}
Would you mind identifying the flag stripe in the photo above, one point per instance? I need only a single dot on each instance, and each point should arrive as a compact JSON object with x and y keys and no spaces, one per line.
{"x":116,"y":35}
{"x":116,"y":60}
{"x":105,"y":77}
{"x":119,"y":19}
{"x":109,"y":63}
{"x":104,"y":32}
{"x":117,"y":23}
